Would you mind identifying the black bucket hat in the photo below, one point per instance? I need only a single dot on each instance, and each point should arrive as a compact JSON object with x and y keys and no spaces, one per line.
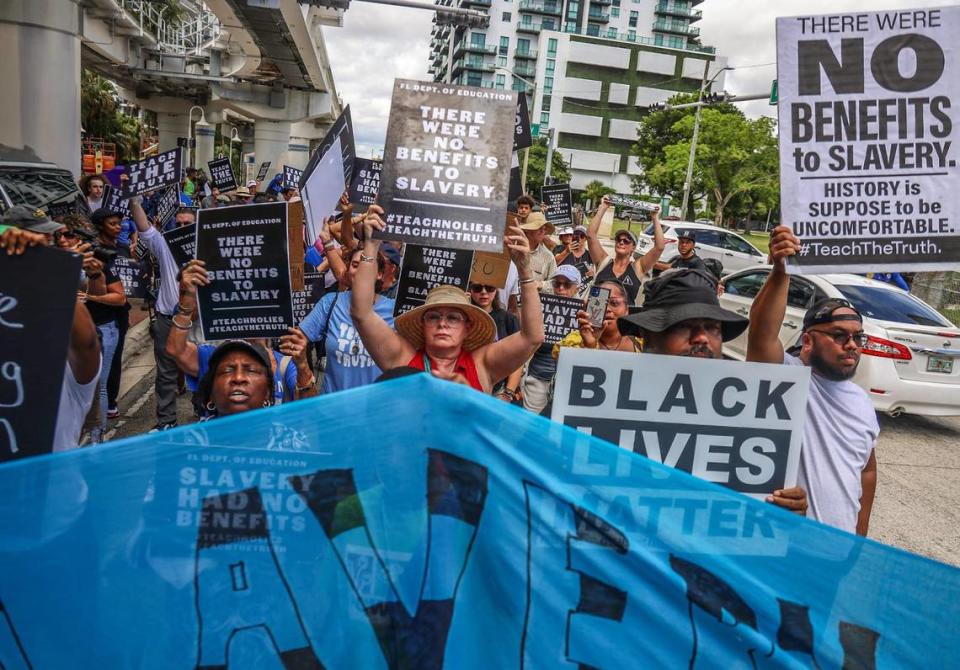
{"x":261,"y":355}
{"x":680,"y":295}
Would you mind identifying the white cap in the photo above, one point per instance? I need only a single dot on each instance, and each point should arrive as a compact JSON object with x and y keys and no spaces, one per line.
{"x":568,"y":272}
{"x":252,"y":183}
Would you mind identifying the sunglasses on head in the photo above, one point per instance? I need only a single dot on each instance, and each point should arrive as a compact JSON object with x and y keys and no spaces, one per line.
{"x":482,"y":288}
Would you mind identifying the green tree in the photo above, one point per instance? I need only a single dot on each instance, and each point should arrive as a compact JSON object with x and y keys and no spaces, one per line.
{"x":595,"y":190}
{"x":102,"y":117}
{"x":559,"y":170}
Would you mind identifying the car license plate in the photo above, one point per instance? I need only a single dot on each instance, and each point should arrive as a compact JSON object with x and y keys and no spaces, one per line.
{"x":940,"y":364}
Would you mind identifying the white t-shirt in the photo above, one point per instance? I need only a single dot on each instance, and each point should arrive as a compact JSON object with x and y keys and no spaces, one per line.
{"x":512,"y":287}
{"x":169,"y":292}
{"x":839,"y":433}
{"x":75,"y":402}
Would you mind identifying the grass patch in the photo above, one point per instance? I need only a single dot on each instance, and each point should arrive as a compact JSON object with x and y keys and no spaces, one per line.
{"x":952,"y":314}
{"x":760,"y":240}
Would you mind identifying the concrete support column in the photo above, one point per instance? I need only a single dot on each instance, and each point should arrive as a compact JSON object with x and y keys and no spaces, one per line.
{"x":298,"y":152}
{"x":40,"y":71}
{"x":169,"y":128}
{"x":203,"y":154}
{"x":270,"y":140}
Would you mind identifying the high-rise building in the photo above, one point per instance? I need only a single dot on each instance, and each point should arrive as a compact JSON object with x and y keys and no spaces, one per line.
{"x":589,"y":68}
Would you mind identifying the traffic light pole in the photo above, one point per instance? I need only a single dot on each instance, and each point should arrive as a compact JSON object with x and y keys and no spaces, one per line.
{"x":546,"y":169}
{"x":693,"y":142}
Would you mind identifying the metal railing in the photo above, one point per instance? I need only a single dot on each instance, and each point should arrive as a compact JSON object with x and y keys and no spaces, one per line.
{"x":191,"y":33}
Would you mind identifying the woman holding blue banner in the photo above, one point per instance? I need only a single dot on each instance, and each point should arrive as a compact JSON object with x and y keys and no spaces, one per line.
{"x":447,"y":336}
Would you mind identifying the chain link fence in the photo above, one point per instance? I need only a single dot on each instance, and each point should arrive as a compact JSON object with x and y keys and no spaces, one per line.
{"x":940,"y":290}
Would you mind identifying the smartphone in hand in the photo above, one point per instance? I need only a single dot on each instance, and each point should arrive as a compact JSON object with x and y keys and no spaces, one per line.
{"x":597,"y":305}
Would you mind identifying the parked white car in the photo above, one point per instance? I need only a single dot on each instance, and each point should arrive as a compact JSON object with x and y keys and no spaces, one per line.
{"x":910,"y":362}
{"x":734,"y":252}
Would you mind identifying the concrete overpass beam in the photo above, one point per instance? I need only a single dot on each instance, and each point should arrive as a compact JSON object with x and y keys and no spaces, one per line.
{"x":40,"y":69}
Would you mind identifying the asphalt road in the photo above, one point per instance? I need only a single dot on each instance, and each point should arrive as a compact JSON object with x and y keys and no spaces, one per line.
{"x":917,"y":491}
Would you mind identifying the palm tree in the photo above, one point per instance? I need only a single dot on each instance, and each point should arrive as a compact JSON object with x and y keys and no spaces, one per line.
{"x":594,"y":191}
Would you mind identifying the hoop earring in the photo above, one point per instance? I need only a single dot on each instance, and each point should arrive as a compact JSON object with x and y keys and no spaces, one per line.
{"x":210,"y":406}
{"x":266,"y":403}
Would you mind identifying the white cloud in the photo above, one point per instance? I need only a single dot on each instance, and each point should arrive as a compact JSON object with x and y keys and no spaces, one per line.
{"x":745,"y":32}
{"x":377,"y":44}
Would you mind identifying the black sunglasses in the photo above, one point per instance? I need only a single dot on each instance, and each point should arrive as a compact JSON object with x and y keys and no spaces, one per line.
{"x":482,"y":288}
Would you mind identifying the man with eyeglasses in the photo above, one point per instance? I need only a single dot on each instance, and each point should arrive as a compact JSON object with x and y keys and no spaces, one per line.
{"x":838,"y":464}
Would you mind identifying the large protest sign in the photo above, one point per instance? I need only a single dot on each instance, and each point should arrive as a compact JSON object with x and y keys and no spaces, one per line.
{"x":559,"y":202}
{"x":736,"y":424}
{"x":264,"y":169}
{"x":521,"y":130}
{"x":134,"y":275}
{"x":38,"y":292}
{"x":245,"y":249}
{"x":261,"y":538}
{"x":446,"y":166}
{"x":868,"y":168}
{"x":322,"y":190}
{"x":221,"y":174}
{"x":152,"y":173}
{"x":366,"y":182}
{"x":291,"y":176}
{"x":559,"y":316}
{"x":115,"y":201}
{"x":167,"y":206}
{"x":182,"y":242}
{"x":341,"y":131}
{"x":426,"y":267}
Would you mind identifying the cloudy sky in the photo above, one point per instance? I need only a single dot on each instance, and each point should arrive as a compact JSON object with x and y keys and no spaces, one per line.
{"x":378,"y":43}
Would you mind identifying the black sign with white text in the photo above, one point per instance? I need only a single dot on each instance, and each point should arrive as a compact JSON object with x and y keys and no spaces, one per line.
{"x":167,"y":206}
{"x":133,"y":274}
{"x":341,"y":129}
{"x":291,"y":176}
{"x":559,"y":316}
{"x":559,"y":204}
{"x":182,"y":242}
{"x":867,"y":121}
{"x":221,"y":174}
{"x":264,"y":168}
{"x":38,"y":292}
{"x":736,"y":424}
{"x":153,"y":173}
{"x":118,"y":203}
{"x":303,"y":301}
{"x":426,"y":267}
{"x":521,"y":131}
{"x":446,"y":166}
{"x":246,"y":252}
{"x":366,"y":182}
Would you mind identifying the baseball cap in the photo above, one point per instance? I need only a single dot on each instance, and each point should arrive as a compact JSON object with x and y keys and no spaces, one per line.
{"x":391,"y":254}
{"x":580,"y":229}
{"x":255,"y":350}
{"x":34,"y":220}
{"x":686,"y":234}
{"x":251,"y":183}
{"x":625,"y":233}
{"x":569,"y":273}
{"x":822,"y":312}
{"x":566,"y":230}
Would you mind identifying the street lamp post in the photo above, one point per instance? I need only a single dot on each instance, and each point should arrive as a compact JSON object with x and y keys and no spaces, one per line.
{"x":696,"y":132}
{"x":190,"y":131}
{"x":234,"y":137}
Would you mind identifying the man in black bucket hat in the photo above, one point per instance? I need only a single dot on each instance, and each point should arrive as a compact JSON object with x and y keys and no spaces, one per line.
{"x":681,"y":316}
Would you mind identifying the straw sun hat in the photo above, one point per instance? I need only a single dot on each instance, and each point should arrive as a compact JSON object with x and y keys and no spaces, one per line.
{"x":482,"y":328}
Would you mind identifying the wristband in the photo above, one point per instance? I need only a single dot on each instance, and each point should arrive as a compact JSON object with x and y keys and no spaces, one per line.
{"x":370,"y":259}
{"x":309,"y":385}
{"x":528,"y":280}
{"x":183,"y":310}
{"x":178,"y":326}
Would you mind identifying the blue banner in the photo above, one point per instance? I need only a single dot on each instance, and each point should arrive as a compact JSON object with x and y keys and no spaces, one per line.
{"x":419,"y":524}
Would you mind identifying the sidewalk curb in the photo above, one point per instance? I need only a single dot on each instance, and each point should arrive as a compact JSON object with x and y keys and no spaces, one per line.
{"x":138,"y":337}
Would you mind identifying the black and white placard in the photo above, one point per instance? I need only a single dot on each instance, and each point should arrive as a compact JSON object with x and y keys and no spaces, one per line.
{"x":559,"y":316}
{"x":521,"y":131}
{"x":291,"y":176}
{"x":559,"y":204}
{"x":38,"y":292}
{"x":868,"y":139}
{"x":154,"y":172}
{"x":246,"y":252}
{"x":366,"y":182}
{"x":342,"y":129}
{"x":133,"y":274}
{"x":167,"y":206}
{"x":264,"y":168}
{"x":221,"y":174}
{"x":446,"y":167}
{"x":424,"y":268}
{"x":304,"y":301}
{"x":736,"y":424}
{"x":116,"y":202}
{"x":182,"y":243}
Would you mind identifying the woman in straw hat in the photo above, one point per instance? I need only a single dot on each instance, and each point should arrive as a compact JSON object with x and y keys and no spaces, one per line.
{"x":447,"y":336}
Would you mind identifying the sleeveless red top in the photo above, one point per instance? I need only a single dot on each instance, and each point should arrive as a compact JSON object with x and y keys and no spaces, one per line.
{"x":464,"y":366}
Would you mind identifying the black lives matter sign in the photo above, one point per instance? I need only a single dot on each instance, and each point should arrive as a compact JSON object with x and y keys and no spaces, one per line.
{"x":868,"y":151}
{"x":446,"y":167}
{"x":245,"y":249}
{"x":559,"y":204}
{"x":35,"y":340}
{"x":559,"y":316}
{"x":736,"y":424}
{"x":424,"y":268}
{"x":154,"y":172}
{"x":221,"y":174}
{"x":366,"y":182}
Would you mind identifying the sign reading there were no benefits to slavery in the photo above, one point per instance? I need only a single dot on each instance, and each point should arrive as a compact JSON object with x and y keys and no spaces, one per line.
{"x":446,"y":168}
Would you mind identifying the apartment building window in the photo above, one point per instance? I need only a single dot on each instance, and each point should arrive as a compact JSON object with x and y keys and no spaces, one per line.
{"x":551,"y":47}
{"x":478,"y":39}
{"x":551,"y":64}
{"x":474,"y":79}
{"x":633,"y":19}
{"x":632,"y":35}
{"x":547,"y":84}
{"x":506,"y":16}
{"x":616,"y":3}
{"x":504,"y":45}
{"x":545,"y":103}
{"x":544,"y":119}
{"x":501,"y":61}
{"x":523,"y":46}
{"x":548,"y":24}
{"x":615,"y":12}
{"x":593,"y":30}
{"x":501,"y":81}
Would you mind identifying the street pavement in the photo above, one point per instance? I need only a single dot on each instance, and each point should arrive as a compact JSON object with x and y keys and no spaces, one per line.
{"x":918,"y":481}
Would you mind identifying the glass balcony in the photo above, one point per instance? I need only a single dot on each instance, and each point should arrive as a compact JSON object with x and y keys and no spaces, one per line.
{"x":602,"y":17}
{"x":540,"y":7}
{"x":526,"y":72}
{"x":530,"y":54}
{"x":675,"y":27}
{"x":673,"y":9}
{"x":470,"y":47}
{"x":530,"y":27}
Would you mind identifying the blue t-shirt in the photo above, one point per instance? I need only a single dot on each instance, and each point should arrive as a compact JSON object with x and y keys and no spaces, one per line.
{"x":348,"y":363}
{"x":283,"y":389}
{"x":127,"y":228}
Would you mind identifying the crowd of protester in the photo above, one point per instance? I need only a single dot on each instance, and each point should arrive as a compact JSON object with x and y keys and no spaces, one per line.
{"x":489,"y":338}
